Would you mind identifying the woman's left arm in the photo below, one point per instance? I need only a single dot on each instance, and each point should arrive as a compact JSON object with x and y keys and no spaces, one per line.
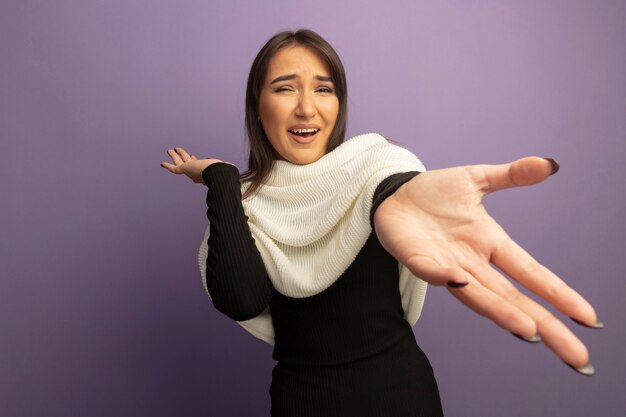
{"x":437,"y":226}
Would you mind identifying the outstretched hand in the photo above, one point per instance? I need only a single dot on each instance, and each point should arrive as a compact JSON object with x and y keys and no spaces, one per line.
{"x":437,"y":226}
{"x":189,"y":165}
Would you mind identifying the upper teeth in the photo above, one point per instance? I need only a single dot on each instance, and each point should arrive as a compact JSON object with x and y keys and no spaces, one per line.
{"x":312,"y":130}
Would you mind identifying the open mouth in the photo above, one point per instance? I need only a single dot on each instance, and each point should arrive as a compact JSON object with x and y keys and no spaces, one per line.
{"x":304,"y":133}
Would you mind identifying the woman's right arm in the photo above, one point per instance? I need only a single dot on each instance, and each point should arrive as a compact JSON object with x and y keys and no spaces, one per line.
{"x":236,"y":277}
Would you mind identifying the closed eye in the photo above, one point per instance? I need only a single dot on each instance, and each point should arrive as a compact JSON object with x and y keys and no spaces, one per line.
{"x":283,"y":89}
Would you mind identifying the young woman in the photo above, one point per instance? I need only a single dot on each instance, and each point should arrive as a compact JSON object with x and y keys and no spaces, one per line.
{"x":318,"y":246}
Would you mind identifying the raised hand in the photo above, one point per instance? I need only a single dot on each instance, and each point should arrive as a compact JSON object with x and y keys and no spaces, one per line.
{"x":189,"y":165}
{"x":437,"y":226}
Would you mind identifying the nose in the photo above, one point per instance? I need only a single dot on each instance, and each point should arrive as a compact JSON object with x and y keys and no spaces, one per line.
{"x":306,"y":106}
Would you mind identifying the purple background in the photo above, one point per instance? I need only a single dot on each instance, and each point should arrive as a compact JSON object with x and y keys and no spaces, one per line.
{"x":102,"y":311}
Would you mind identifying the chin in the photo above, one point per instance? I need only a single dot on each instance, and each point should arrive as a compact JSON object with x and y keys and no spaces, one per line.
{"x":304,"y":159}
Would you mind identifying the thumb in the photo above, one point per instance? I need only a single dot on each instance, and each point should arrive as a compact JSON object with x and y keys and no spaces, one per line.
{"x":526,"y":171}
{"x":434,"y":273}
{"x":171,"y":168}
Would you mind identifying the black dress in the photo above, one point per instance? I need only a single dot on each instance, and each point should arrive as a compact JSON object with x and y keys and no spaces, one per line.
{"x":346,"y":351}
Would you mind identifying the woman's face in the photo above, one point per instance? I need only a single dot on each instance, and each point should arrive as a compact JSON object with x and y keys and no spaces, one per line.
{"x":298,"y":106}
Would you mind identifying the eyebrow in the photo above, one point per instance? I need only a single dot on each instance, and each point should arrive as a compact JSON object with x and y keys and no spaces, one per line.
{"x":294,"y":76}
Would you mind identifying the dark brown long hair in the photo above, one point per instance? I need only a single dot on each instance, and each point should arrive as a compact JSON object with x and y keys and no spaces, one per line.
{"x":262,"y":154}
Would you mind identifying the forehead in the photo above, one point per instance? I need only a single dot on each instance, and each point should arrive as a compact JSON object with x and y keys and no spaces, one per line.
{"x":296,"y":59}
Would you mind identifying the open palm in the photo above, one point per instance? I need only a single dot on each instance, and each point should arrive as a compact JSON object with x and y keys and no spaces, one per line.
{"x":437,"y":226}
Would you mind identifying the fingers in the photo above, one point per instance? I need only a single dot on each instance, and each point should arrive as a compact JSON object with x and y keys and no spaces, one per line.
{"x":552,"y":331}
{"x":171,"y":168}
{"x":494,"y":307}
{"x":179,"y":156}
{"x":189,"y":165}
{"x":525,"y":171}
{"x":518,"y":264}
{"x":493,"y":296}
{"x":475,"y":295}
{"x":559,"y":339}
{"x":183,"y":154}
{"x":176,"y":159}
{"x":435,"y":274}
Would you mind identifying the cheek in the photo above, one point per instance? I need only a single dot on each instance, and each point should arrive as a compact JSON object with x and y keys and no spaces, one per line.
{"x":331,"y":110}
{"x":263,"y":110}
{"x":266,"y":105}
{"x":272,"y":113}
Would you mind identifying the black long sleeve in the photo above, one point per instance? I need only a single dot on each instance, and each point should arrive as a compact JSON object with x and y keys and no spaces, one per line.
{"x":236,"y":277}
{"x":387,"y":187}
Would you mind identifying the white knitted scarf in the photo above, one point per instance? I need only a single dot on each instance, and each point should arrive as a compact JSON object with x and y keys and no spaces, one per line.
{"x":309,"y":222}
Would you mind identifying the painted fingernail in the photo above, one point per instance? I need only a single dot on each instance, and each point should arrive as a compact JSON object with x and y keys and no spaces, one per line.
{"x":587,"y":370}
{"x":555,"y":165}
{"x":453,"y":284}
{"x":533,"y":339}
{"x":162,"y":166}
{"x":597,"y":325}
